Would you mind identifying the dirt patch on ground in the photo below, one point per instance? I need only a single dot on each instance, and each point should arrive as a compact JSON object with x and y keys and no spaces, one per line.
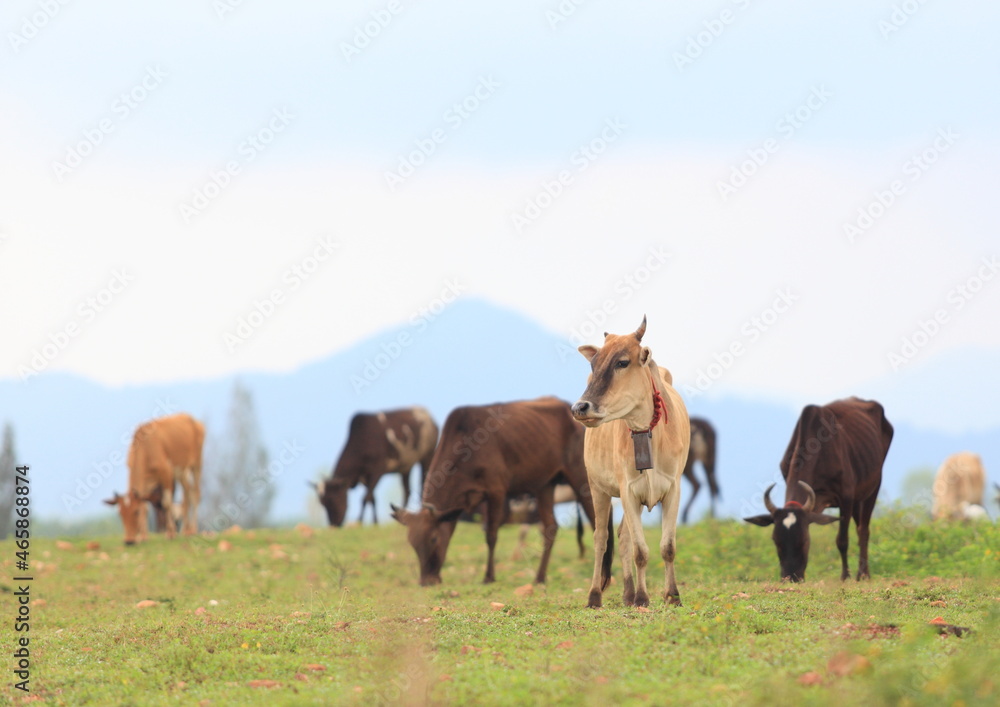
{"x":871,"y":631}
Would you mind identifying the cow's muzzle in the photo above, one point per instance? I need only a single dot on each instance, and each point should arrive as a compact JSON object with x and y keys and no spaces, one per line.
{"x":587,"y":413}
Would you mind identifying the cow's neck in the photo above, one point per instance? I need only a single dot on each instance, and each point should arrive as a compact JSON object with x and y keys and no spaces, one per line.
{"x":640,"y":418}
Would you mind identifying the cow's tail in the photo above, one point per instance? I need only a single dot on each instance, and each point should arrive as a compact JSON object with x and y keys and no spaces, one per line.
{"x":579,"y":530}
{"x":609,"y":553}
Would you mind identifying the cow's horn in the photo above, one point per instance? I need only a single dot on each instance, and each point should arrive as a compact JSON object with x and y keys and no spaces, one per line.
{"x":812,"y":497}
{"x":767,"y":500}
{"x":642,"y":329}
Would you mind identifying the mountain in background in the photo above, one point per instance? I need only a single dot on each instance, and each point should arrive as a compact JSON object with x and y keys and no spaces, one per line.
{"x":75,"y":433}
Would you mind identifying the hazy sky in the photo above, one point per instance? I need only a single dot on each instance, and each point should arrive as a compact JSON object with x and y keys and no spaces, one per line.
{"x":804,"y":188}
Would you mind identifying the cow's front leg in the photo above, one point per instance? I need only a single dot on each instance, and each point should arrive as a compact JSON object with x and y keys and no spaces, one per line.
{"x":640,"y":550}
{"x":494,"y":517}
{"x":628,"y":564}
{"x":406,"y":486}
{"x":846,"y":511}
{"x":602,"y":574}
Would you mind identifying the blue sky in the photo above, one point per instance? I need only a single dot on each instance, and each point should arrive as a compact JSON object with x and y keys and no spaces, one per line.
{"x":220,"y":80}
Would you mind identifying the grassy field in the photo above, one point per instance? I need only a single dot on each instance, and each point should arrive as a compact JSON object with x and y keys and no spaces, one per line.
{"x":336,"y":617}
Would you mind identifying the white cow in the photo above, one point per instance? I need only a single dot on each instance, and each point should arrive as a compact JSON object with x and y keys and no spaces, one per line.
{"x":958,"y":487}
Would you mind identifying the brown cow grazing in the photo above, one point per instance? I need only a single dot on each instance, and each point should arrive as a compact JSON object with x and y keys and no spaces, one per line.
{"x":636,"y":446}
{"x":490,"y":453}
{"x":834,"y":458}
{"x":164,"y":452}
{"x":702,"y":450}
{"x":958,"y":487}
{"x":381,"y":443}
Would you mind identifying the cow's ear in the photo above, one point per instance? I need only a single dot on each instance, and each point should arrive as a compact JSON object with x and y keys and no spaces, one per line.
{"x":761,"y":520}
{"x":400,"y":514}
{"x":450,"y":516}
{"x":822,"y":518}
{"x":588,"y":352}
{"x":112,"y":501}
{"x":644,"y":355}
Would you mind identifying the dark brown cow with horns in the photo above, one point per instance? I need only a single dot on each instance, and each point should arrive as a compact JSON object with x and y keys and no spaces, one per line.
{"x":490,"y":453}
{"x":834,"y":458}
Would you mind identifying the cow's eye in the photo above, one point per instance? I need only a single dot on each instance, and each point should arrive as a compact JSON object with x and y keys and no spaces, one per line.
{"x":621,"y":364}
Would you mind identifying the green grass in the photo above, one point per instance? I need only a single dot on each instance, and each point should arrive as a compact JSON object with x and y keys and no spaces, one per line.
{"x":348,"y":601}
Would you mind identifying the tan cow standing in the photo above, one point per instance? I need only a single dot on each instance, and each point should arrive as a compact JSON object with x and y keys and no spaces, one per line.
{"x":164,"y":452}
{"x":627,"y":393}
{"x":959,"y":484}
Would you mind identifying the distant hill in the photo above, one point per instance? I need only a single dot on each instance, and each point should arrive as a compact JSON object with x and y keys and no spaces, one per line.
{"x":74,"y":433}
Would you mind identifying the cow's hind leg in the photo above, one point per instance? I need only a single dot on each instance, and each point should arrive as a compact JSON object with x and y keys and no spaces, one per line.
{"x":668,"y":543}
{"x":695,"y":488}
{"x":602,"y":514}
{"x":863,"y":514}
{"x":547,"y":519}
{"x":189,"y":513}
{"x":167,"y":503}
{"x":846,"y":511}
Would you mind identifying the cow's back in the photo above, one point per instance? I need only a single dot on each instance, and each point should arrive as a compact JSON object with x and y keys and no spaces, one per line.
{"x":161,"y":445}
{"x":518,"y":445}
{"x":839,"y":450}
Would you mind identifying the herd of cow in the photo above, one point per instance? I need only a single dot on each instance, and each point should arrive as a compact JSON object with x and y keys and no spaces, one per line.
{"x":627,"y":437}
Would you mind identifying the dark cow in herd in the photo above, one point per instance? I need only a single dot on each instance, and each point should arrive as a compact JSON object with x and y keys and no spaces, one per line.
{"x":389,"y":442}
{"x":834,"y":458}
{"x":491,"y":453}
{"x":702,"y":450}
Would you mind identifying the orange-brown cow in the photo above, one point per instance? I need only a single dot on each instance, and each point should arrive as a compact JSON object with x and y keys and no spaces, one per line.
{"x":163,"y":452}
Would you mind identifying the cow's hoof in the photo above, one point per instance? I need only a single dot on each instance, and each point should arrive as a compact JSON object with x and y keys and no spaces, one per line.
{"x":628,"y":597}
{"x":488,"y":580}
{"x":642,"y":600}
{"x":594,"y":600}
{"x":673,"y":599}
